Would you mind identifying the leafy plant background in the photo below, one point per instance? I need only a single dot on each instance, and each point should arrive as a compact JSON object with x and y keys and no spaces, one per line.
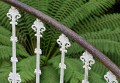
{"x":95,"y":20}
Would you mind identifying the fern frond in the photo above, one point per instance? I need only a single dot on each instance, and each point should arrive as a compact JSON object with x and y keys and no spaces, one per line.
{"x":4,"y":32}
{"x":27,"y":66}
{"x":54,"y":6}
{"x":5,"y":69}
{"x":96,"y":78}
{"x":87,"y":10}
{"x":109,"y":47}
{"x":67,"y":7}
{"x":6,"y":52}
{"x":49,"y":75}
{"x":99,"y":69}
{"x":49,"y":41}
{"x":5,"y":40}
{"x":96,"y":75}
{"x":73,"y":71}
{"x":109,"y":21}
{"x":75,"y":50}
{"x":6,"y":43}
{"x":41,"y":5}
{"x":104,"y":34}
{"x":4,"y":20}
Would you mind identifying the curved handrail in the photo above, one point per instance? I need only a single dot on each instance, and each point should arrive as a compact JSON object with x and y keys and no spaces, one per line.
{"x":69,"y":33}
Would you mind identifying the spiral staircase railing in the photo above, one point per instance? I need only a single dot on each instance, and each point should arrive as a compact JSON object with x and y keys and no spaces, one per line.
{"x":63,"y":41}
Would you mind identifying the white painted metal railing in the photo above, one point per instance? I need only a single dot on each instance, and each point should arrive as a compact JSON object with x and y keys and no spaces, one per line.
{"x":64,"y":43}
{"x":39,"y":28}
{"x":88,"y":60}
{"x":14,"y":15}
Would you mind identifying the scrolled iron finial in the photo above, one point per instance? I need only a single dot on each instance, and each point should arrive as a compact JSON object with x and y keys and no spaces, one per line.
{"x":110,"y":77}
{"x":13,"y":15}
{"x":12,"y":76}
{"x":38,"y":25}
{"x":88,"y":61}
{"x":63,"y":42}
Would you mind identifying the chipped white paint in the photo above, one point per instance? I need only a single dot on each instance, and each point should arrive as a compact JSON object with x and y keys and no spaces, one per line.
{"x":14,"y":15}
{"x":64,"y":43}
{"x":110,"y":77}
{"x":39,"y":28}
{"x":88,"y":60}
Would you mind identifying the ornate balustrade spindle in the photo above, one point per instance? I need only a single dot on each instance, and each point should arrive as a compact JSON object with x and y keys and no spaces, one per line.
{"x":110,"y":77}
{"x":64,"y":43}
{"x":88,"y":60}
{"x":39,"y":28}
{"x":14,"y":15}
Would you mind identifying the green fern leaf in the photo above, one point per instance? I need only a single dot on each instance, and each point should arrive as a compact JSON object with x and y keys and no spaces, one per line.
{"x":73,"y":71}
{"x":5,"y":69}
{"x":88,"y":9}
{"x":49,"y":75}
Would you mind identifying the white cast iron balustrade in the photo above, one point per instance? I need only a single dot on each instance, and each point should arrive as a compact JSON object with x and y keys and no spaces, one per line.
{"x":88,"y":60}
{"x":64,"y":43}
{"x":39,"y":28}
{"x":110,"y":77}
{"x":14,"y":15}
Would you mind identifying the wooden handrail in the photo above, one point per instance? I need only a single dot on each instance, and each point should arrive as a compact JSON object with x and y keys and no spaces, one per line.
{"x":69,"y":33}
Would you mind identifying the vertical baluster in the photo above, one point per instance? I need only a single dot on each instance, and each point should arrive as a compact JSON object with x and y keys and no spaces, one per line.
{"x":64,"y":43}
{"x":14,"y":15}
{"x":39,"y":28}
{"x":110,"y":77}
{"x":88,"y":60}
